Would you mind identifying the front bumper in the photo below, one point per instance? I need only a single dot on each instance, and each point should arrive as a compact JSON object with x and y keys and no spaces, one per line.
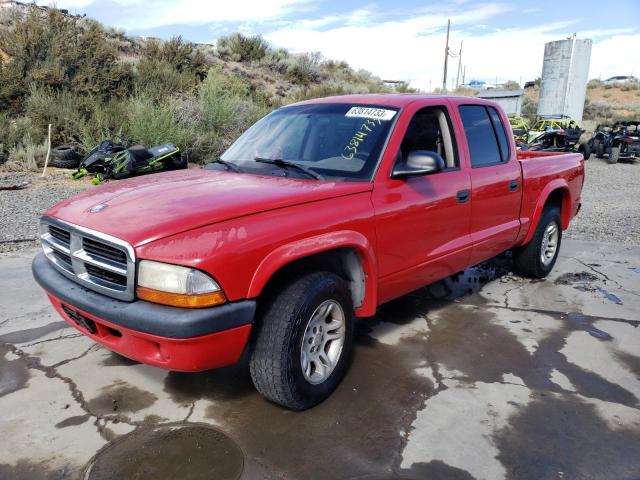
{"x":168,"y":337}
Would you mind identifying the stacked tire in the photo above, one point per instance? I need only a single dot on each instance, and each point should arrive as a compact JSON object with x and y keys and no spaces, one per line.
{"x":64,"y":156}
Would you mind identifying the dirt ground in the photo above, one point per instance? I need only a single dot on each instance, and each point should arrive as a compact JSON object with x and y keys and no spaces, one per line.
{"x":483,"y":376}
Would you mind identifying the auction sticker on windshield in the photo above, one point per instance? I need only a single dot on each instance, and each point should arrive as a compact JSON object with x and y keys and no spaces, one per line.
{"x":373,"y":113}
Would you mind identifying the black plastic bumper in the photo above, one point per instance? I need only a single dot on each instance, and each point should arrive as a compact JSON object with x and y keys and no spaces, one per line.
{"x":170,"y":322}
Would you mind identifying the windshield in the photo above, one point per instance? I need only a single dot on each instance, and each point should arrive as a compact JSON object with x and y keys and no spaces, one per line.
{"x":340,"y":142}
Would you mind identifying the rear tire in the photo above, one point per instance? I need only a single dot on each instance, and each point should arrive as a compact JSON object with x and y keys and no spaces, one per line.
{"x":537,"y":258}
{"x":290,"y":329}
{"x":585,"y":149}
{"x":614,"y":154}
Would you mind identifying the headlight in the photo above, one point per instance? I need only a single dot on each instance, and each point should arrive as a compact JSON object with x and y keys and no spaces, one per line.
{"x":177,"y":286}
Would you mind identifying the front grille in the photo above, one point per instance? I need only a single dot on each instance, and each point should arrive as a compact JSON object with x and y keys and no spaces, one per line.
{"x":61,"y":235}
{"x":97,"y":261}
{"x":103,"y":250}
{"x":106,"y":275}
{"x":66,"y":259}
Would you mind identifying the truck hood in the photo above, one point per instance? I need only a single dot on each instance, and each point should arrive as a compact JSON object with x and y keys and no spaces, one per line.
{"x":144,"y":209}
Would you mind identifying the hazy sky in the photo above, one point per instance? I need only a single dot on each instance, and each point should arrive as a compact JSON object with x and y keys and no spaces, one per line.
{"x":400,"y":40}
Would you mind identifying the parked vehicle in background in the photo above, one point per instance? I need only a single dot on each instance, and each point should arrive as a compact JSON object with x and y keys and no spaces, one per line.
{"x":544,"y":124}
{"x":558,"y":134}
{"x":620,"y":79}
{"x":559,"y":141}
{"x":519,"y":127}
{"x":317,"y":214}
{"x":620,"y":141}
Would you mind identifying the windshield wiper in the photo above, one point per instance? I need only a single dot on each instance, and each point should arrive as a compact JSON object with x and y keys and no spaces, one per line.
{"x":230,"y":166}
{"x":285,"y":163}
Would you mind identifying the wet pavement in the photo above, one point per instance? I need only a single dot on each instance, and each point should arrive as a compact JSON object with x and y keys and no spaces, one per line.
{"x":483,"y":376}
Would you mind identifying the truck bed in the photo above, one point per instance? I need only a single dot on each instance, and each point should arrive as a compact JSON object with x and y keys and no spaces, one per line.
{"x":543,"y":172}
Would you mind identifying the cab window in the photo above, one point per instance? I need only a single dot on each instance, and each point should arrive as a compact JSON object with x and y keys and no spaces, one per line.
{"x":430,"y":129}
{"x":486,"y":137}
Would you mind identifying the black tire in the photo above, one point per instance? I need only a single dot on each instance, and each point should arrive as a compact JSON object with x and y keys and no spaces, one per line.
{"x":585,"y":149}
{"x":275,"y":364}
{"x":599,"y":150}
{"x":177,"y":162}
{"x":527,"y":259}
{"x":64,"y":156}
{"x":614,"y":154}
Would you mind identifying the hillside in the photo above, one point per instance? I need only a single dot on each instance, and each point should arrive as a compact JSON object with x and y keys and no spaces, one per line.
{"x":604,"y":103}
{"x":91,"y":82}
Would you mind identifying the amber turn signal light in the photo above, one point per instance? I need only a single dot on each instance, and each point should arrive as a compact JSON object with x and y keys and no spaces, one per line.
{"x":200,"y":300}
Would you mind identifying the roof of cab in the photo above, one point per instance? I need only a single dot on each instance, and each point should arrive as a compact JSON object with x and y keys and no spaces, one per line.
{"x":398,"y":100}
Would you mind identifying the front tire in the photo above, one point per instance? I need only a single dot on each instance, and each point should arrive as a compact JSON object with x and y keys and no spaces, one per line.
{"x":302,"y":345}
{"x":537,"y":258}
{"x":600,"y":150}
{"x":614,"y":154}
{"x":586,"y":151}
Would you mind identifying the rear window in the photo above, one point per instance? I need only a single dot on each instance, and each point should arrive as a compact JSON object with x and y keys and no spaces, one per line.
{"x":503,"y":143}
{"x":481,"y":135}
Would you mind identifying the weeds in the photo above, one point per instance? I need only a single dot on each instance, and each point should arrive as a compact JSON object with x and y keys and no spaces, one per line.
{"x":92,"y":83}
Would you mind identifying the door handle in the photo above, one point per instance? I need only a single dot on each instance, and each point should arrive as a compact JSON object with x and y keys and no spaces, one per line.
{"x":462,"y":196}
{"x":513,"y":185}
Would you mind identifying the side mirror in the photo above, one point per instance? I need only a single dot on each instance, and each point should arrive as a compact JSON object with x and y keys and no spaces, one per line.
{"x":419,"y":162}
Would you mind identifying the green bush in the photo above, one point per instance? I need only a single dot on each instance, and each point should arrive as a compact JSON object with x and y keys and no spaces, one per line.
{"x":28,"y":155}
{"x":159,"y":78}
{"x":51,"y":50}
{"x":304,"y":69}
{"x":241,"y":48}
{"x":150,"y":122}
{"x":594,"y":83}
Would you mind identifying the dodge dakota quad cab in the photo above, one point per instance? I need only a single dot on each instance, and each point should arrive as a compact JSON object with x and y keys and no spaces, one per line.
{"x":316,"y":215}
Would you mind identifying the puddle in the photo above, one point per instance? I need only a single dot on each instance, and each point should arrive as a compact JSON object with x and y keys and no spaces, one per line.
{"x":115,"y":360}
{"x":31,"y":334}
{"x":120,"y":398}
{"x":73,"y":421}
{"x":556,"y":438}
{"x":576,"y":277}
{"x":26,"y":469}
{"x":185,"y":451}
{"x":582,"y":322}
{"x":610,"y":296}
{"x":14,"y":374}
{"x":381,"y":386}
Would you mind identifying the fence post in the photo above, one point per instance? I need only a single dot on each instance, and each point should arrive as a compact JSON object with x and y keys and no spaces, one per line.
{"x":46,"y":160}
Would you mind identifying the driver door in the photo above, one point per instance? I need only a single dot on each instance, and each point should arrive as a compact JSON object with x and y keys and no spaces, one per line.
{"x":423,"y":222}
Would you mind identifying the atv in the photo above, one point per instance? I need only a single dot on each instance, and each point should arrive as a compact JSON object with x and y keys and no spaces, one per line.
{"x":620,"y":141}
{"x":560,"y":140}
{"x":519,"y":127}
{"x":118,"y":159}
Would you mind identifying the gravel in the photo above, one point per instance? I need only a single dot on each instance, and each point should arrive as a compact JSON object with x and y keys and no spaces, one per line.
{"x":20,"y":209}
{"x":610,"y":204}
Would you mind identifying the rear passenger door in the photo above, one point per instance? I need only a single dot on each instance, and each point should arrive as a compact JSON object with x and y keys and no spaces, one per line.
{"x":496,"y":190}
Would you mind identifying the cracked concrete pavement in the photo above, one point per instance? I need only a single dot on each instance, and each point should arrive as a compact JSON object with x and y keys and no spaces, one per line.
{"x":483,"y":376}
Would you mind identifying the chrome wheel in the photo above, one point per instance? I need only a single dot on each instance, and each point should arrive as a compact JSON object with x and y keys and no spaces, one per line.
{"x":322,"y":342}
{"x":549,"y":243}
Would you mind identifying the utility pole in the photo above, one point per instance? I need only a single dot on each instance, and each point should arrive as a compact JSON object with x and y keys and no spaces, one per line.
{"x":459,"y":66}
{"x":446,"y":59}
{"x":464,"y":74}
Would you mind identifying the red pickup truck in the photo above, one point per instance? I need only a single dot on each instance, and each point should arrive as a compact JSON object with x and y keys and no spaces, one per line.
{"x":317,"y":214}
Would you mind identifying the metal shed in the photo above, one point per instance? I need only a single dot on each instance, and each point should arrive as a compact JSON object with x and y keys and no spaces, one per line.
{"x":509,"y":100}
